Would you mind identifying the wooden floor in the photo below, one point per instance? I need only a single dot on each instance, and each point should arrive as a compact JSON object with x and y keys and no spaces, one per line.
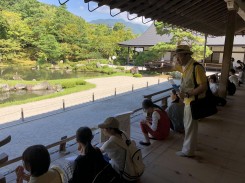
{"x":221,"y":150}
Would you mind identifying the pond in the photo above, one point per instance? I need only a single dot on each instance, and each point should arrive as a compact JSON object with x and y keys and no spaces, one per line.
{"x":8,"y":73}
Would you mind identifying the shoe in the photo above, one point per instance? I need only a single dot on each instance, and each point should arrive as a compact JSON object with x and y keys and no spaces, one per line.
{"x":152,"y":138}
{"x":181,"y":154}
{"x":145,"y":143}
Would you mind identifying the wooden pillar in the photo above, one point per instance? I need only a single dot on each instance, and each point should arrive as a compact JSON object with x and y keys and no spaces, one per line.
{"x":229,"y":38}
{"x":204,"y":51}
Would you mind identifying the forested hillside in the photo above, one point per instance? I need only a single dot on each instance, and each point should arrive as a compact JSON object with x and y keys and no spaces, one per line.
{"x":30,"y":30}
{"x":136,"y":28}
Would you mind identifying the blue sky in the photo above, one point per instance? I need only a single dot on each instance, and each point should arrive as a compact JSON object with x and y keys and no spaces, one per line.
{"x":78,"y":7}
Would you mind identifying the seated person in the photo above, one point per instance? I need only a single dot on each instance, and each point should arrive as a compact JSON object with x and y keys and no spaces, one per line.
{"x":240,"y":75}
{"x":213,"y":84}
{"x":113,"y":148}
{"x":242,"y":65}
{"x":159,"y":125}
{"x":233,"y":78}
{"x":176,"y":113}
{"x":36,"y":160}
{"x":90,"y":161}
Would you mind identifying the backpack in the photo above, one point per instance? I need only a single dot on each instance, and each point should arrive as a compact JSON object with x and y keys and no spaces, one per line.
{"x":107,"y":175}
{"x":133,"y":166}
{"x":231,"y":88}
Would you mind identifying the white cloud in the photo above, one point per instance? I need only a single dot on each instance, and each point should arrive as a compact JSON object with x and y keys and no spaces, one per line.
{"x":81,"y":8}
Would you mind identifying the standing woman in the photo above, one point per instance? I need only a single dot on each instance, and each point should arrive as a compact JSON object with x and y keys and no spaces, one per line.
{"x":158,"y":126}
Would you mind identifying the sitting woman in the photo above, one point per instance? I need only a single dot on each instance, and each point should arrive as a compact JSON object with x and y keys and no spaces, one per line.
{"x":113,"y":147}
{"x":90,"y":162}
{"x":213,"y":84}
{"x":158,"y":126}
{"x":36,"y":160}
{"x":176,"y":113}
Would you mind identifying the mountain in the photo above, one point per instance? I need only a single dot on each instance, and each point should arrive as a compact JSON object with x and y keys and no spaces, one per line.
{"x":136,"y":28}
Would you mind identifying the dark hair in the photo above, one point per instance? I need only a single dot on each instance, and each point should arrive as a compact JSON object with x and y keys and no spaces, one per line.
{"x":213,"y":77}
{"x":239,"y":68}
{"x":36,"y":158}
{"x":84,"y":135}
{"x":177,"y":97}
{"x":232,"y":71}
{"x":147,"y":103}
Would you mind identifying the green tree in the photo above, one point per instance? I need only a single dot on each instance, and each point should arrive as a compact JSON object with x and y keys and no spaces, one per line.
{"x":49,"y":46}
{"x":3,"y":26}
{"x":180,"y":36}
{"x":8,"y":49}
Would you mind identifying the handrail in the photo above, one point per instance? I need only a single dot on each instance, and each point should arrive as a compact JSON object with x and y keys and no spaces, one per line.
{"x":156,"y":93}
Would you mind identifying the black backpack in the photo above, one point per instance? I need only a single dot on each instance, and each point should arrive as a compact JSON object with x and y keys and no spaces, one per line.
{"x":231,"y":88}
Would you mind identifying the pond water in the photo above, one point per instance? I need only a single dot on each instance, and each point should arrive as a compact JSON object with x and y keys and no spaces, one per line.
{"x":28,"y":74}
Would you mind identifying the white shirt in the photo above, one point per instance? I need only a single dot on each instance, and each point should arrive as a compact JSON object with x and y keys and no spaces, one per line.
{"x":234,"y":79}
{"x":155,"y":118}
{"x":214,"y":88}
{"x":115,"y":152}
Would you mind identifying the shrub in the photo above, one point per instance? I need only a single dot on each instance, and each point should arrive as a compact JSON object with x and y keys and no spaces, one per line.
{"x":108,"y":71}
{"x":137,"y":75}
{"x":80,"y":82}
{"x":120,"y":68}
{"x":105,"y":66}
{"x":68,"y":84}
{"x":175,"y":74}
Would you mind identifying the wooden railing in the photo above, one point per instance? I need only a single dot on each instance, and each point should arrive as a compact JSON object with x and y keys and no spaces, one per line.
{"x":62,"y":143}
{"x":4,"y":156}
{"x":213,"y":66}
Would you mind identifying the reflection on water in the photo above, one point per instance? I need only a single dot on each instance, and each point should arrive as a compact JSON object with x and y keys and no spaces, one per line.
{"x":28,"y":74}
{"x":43,"y":74}
{"x":21,"y":95}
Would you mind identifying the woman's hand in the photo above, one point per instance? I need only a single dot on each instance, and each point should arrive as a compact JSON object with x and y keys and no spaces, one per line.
{"x":19,"y":174}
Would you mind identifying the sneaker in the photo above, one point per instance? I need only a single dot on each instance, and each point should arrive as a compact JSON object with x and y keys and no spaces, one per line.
{"x":152,"y":138}
{"x":181,"y":154}
{"x":145,"y":143}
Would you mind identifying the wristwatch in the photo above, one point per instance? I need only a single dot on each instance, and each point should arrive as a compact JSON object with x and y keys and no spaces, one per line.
{"x":187,"y":95}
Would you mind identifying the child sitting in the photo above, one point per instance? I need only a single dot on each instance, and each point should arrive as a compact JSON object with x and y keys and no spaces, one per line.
{"x":159,"y":125}
{"x":36,"y":160}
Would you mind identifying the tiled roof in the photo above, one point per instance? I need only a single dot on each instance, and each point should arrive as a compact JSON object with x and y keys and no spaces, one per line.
{"x":151,"y":38}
